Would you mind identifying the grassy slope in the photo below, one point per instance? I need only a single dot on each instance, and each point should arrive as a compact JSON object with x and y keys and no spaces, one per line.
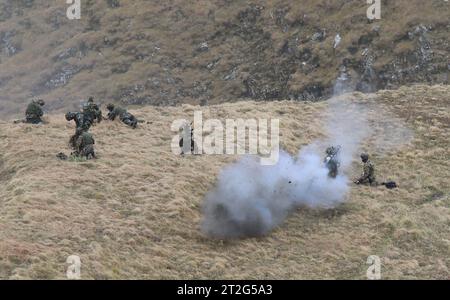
{"x":135,"y":212}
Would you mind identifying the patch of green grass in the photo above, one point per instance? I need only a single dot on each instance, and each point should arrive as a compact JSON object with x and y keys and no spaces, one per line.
{"x":434,"y":194}
{"x":74,"y":158}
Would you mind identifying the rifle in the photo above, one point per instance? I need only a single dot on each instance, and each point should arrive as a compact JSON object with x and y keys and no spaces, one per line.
{"x":390,"y":184}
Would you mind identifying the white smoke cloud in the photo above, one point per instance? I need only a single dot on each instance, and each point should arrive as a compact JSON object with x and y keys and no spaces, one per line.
{"x":250,"y":199}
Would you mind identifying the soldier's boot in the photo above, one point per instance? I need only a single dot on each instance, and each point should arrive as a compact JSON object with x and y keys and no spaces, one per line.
{"x":130,"y":122}
{"x":92,"y":153}
{"x":33,"y":121}
{"x":61,"y":156}
{"x":88,"y":152}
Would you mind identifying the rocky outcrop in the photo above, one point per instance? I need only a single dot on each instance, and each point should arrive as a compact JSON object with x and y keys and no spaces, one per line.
{"x":172,"y":52}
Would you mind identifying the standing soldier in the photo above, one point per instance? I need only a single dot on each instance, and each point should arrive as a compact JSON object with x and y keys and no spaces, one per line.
{"x":331,"y":160}
{"x":92,"y":111}
{"x":34,"y":112}
{"x":368,"y":175}
{"x":123,"y":115}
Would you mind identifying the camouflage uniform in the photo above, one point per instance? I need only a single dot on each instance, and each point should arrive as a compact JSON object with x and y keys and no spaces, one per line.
{"x":34,"y":112}
{"x":123,"y":115}
{"x":85,"y":146}
{"x":331,"y":161}
{"x":92,"y":112}
{"x":81,"y":123}
{"x":368,"y":175}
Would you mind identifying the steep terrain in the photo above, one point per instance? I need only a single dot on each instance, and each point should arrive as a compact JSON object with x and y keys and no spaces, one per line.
{"x":136,"y":211}
{"x":167,"y":52}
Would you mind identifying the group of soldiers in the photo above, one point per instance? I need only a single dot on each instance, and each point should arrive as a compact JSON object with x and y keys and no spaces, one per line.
{"x":367,"y":177}
{"x":82,"y":142}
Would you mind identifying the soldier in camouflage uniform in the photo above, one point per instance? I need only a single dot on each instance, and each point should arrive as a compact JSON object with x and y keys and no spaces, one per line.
{"x":85,"y":146}
{"x":81,"y":126}
{"x":331,"y":161}
{"x":368,"y":175}
{"x":123,"y":115}
{"x":92,"y":111}
{"x":34,"y":112}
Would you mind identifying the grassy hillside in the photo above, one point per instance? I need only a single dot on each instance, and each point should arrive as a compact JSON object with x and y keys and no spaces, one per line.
{"x":136,"y":211}
{"x":167,"y":52}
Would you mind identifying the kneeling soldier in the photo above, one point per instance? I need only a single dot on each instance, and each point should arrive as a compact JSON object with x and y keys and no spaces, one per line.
{"x":85,"y":146}
{"x":368,"y":175}
{"x":123,"y":115}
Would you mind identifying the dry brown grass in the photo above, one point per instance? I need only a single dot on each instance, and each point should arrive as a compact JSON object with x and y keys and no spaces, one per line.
{"x":135,"y":212}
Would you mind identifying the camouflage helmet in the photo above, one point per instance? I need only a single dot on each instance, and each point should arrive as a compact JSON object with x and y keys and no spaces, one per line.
{"x":40,"y":102}
{"x":332,"y":150}
{"x":70,"y":116}
{"x":91,"y":99}
{"x":364,"y":156}
{"x":329,"y":150}
{"x":110,"y":106}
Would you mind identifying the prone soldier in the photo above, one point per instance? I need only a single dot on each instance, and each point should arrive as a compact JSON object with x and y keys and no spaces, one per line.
{"x":123,"y":115}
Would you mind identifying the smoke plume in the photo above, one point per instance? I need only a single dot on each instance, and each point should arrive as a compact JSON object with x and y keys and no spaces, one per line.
{"x":250,"y":199}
